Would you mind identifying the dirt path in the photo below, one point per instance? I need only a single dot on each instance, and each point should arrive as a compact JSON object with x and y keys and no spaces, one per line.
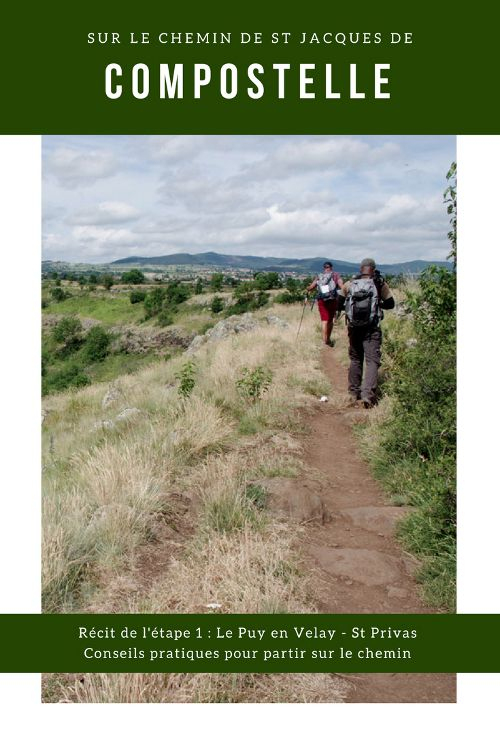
{"x":355,"y":562}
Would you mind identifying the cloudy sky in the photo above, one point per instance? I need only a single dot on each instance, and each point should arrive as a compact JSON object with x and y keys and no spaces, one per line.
{"x":107,"y":197}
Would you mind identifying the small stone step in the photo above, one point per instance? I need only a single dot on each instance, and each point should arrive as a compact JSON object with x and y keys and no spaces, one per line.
{"x":378,"y":519}
{"x":296,"y":500}
{"x":365,"y":566}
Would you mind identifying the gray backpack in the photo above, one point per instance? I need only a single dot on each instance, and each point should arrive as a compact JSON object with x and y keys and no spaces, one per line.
{"x":327,"y":285}
{"x":362,"y":305}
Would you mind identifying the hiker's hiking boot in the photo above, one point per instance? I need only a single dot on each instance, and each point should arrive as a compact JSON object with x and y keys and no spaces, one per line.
{"x":354,"y":400}
{"x":367,"y":403}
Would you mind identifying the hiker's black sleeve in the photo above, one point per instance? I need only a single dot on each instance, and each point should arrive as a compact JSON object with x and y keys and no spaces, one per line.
{"x":388,"y":304}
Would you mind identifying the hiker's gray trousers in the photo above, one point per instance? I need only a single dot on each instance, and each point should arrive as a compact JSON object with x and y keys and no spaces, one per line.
{"x":364,"y":353}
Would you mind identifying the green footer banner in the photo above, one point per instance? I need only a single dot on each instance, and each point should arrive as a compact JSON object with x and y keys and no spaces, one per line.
{"x":249,"y":643}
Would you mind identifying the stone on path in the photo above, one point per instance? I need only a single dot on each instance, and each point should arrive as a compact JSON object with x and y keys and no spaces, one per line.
{"x":378,"y":519}
{"x":296,"y":500}
{"x":369,"y":567}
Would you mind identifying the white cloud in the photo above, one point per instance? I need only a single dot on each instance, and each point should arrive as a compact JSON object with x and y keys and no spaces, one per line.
{"x":73,"y":168}
{"x":288,"y":196}
{"x":174,"y":148}
{"x":107,"y":212}
{"x":321,"y":155}
{"x":99,"y":239}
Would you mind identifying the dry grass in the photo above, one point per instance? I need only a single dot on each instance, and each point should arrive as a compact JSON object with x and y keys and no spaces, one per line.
{"x":247,"y":571}
{"x":205,"y":688}
{"x":103,"y":485}
{"x":106,"y":487}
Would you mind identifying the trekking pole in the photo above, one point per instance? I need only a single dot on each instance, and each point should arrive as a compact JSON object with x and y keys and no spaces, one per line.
{"x":301,"y":319}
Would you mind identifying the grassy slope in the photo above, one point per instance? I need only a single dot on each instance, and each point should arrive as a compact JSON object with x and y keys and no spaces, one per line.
{"x":105,"y":490}
{"x":109,"y":309}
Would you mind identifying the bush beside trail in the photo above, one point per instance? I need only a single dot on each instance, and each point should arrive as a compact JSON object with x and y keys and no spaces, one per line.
{"x":412,"y":439}
{"x":415,"y":450}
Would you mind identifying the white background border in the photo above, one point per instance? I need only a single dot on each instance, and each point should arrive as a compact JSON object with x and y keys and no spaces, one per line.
{"x":472,"y":720}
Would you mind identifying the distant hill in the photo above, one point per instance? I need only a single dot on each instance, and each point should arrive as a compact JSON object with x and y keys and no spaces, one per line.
{"x":258,"y":263}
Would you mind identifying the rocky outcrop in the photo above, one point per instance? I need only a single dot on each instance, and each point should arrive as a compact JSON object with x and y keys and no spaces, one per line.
{"x":233,"y":325}
{"x":127,"y":415}
{"x":52,"y":319}
{"x":143,"y":340}
{"x":130,"y":339}
{"x":112,"y":395}
{"x":135,"y":340}
{"x":274,"y":320}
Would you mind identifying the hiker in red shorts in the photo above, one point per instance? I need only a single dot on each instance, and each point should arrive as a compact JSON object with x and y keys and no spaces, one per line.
{"x":327,"y":285}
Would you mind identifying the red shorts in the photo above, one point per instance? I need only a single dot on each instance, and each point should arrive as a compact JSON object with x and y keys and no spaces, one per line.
{"x":327,"y":309}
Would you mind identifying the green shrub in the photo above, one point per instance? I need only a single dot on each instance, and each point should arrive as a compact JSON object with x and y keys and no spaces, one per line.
{"x":68,"y":332}
{"x":295,"y":286}
{"x":294,"y":292}
{"x":217,"y":305}
{"x":166,"y":299}
{"x":264,"y":281}
{"x":134,"y":276}
{"x":165,"y":318}
{"x":68,"y":376}
{"x":186,"y":378}
{"x":107,"y":281}
{"x":243,"y":288}
{"x":216,"y":282}
{"x":287,"y":298}
{"x":247,"y":302}
{"x":153,"y":301}
{"x":137,"y":295}
{"x":96,"y":346}
{"x":176,"y":293}
{"x":58,"y":294}
{"x":254,"y":383}
{"x":67,"y":329}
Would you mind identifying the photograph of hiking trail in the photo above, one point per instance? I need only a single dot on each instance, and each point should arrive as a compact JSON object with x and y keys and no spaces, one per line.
{"x":248,"y":378}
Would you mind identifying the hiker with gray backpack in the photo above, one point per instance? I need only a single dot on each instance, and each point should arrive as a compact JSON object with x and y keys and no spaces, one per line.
{"x":365,"y":297}
{"x":327,"y":285}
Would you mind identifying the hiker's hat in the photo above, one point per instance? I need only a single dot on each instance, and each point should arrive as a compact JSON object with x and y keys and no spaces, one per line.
{"x":368,"y":262}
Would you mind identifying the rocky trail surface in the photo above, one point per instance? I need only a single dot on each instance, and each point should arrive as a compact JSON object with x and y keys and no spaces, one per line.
{"x":355,"y":563}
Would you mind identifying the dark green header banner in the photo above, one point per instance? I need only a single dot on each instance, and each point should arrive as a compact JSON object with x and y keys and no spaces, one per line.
{"x":250,"y":643}
{"x":257,"y":68}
